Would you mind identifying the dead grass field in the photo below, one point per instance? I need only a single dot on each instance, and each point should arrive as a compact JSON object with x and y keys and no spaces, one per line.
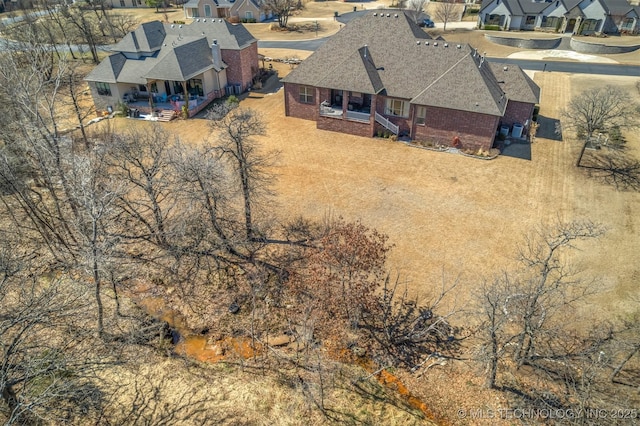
{"x":451,"y":215}
{"x":447,"y":213}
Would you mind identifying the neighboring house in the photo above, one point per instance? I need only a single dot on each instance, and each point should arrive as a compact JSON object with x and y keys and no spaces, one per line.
{"x":237,"y":10}
{"x":126,"y":3}
{"x":196,"y":62}
{"x":381,"y":72}
{"x":565,"y":16}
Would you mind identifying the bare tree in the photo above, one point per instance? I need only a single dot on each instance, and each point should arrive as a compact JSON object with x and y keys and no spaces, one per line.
{"x":46,"y":374}
{"x":415,"y":9}
{"x":282,"y":9}
{"x":527,"y":315}
{"x":237,"y":128}
{"x":447,"y":11}
{"x":600,"y":110}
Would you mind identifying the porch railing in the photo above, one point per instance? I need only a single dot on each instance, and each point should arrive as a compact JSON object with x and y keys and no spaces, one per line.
{"x":358,"y":116}
{"x":387,"y":124}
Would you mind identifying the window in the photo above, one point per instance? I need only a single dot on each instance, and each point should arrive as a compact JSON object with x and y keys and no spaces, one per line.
{"x":627,"y":24}
{"x":530,"y":20}
{"x":397,"y":108}
{"x":248,"y":14}
{"x":421,"y":114}
{"x":195,"y":13}
{"x":104,"y":89}
{"x":207,"y":10}
{"x":493,"y":19}
{"x":121,"y":3}
{"x":590,"y":25}
{"x":306,"y":94}
{"x":551,"y":22}
{"x":194,"y":87}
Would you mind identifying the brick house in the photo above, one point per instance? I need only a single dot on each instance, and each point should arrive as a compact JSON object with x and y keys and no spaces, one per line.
{"x":185,"y":64}
{"x":382,"y":72}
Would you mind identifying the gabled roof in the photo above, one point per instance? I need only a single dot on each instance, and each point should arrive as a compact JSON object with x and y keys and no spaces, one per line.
{"x":617,"y":7}
{"x":402,"y":62}
{"x":169,"y":52}
{"x":183,"y":61}
{"x":229,"y":36}
{"x":147,"y":38}
{"x":357,"y":73}
{"x":516,"y":83}
{"x":109,"y":69}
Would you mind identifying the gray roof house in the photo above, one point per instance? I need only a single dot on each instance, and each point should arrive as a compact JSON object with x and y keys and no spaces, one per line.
{"x":382,"y":73}
{"x":234,"y":10}
{"x":566,"y":16}
{"x":173,"y":66}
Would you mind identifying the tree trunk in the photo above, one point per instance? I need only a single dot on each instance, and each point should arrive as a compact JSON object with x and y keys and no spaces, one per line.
{"x":584,"y":147}
{"x":619,"y":368}
{"x":96,"y":277}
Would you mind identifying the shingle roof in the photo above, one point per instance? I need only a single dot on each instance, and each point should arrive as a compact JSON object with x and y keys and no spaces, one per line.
{"x":525,"y":7}
{"x":169,"y":52}
{"x":357,"y":73}
{"x":617,"y":7}
{"x":189,"y":57}
{"x":516,"y":84}
{"x":229,"y":36}
{"x":148,"y":37}
{"x":408,"y":63}
{"x":109,"y":69}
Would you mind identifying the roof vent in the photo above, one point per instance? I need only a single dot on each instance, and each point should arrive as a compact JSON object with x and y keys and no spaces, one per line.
{"x":204,"y":20}
{"x":173,"y":25}
{"x":219,"y":20}
{"x":418,"y":42}
{"x":446,"y":45}
{"x":375,"y":14}
{"x":396,"y":15}
{"x":435,"y":43}
{"x":197,"y":20}
{"x":459,"y":46}
{"x":388,"y":15}
{"x":505,"y":68}
{"x":426,"y":43}
{"x":180,"y":26}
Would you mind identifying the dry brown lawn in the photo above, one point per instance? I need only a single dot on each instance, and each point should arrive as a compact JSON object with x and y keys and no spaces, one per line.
{"x":450,"y":215}
{"x":447,"y":213}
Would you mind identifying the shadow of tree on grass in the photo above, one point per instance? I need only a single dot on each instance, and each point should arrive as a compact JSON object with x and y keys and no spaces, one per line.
{"x":614,"y":168}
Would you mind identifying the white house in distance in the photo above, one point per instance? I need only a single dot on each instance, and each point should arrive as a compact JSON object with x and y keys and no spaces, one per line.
{"x":582,"y":17}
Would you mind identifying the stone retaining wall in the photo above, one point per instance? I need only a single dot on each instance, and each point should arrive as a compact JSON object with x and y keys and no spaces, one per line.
{"x":597,"y":48}
{"x":525,"y":43}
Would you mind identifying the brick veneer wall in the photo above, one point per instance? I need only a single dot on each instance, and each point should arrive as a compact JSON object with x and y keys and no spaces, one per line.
{"x":345,"y":126}
{"x":294,"y":108}
{"x":517,"y":112}
{"x":442,"y":125}
{"x":404,"y":124}
{"x":243,"y":65}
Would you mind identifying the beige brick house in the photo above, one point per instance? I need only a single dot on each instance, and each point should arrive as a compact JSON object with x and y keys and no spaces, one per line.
{"x":172,"y":65}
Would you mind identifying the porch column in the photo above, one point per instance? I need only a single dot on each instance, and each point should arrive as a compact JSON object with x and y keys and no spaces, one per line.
{"x":150,"y":97}
{"x":186,"y":95}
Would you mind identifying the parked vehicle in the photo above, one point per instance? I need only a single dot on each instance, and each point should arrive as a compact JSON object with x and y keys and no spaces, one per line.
{"x":427,"y":23}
